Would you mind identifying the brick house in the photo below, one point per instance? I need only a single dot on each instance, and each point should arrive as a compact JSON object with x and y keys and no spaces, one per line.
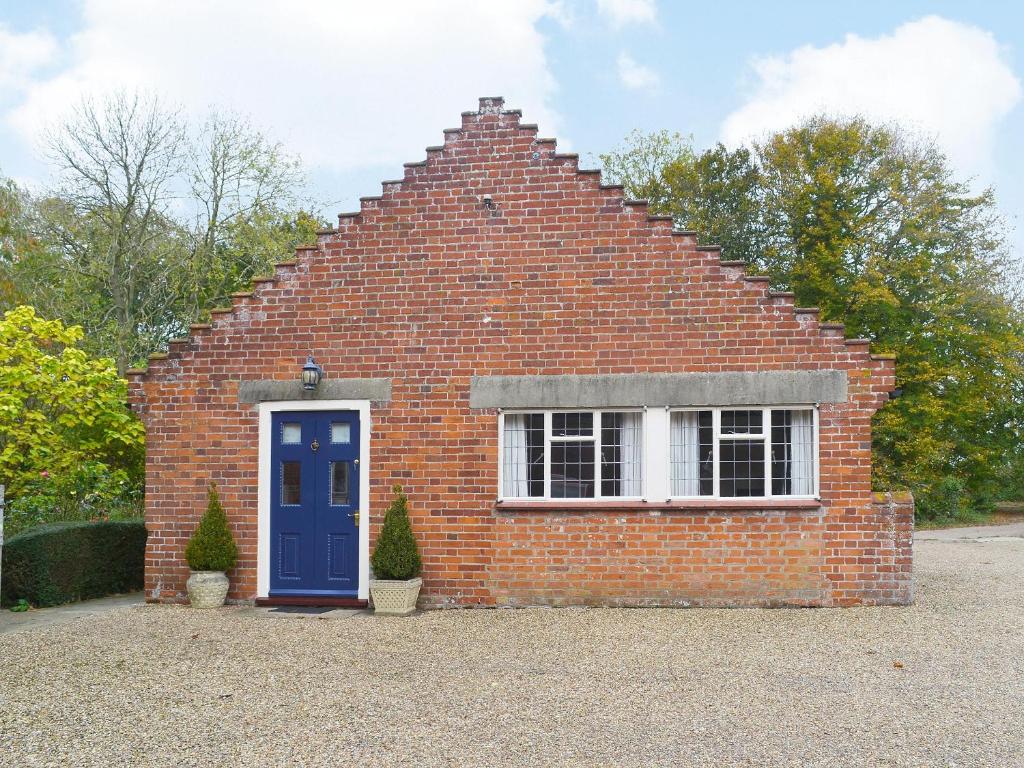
{"x":583,"y":404}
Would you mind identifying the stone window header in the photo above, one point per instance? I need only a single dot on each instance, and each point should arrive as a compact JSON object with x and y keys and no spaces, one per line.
{"x":659,"y":389}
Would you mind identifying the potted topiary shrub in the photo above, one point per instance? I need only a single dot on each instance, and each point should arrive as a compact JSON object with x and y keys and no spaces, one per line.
{"x":396,"y":562}
{"x":210,"y":552}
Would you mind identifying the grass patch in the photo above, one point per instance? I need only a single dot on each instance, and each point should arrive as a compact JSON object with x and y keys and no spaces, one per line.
{"x":971,"y":519}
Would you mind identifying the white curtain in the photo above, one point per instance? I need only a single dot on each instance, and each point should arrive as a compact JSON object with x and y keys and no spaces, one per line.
{"x":515,"y":464}
{"x":801,"y":454}
{"x":631,"y":447}
{"x":685,"y":454}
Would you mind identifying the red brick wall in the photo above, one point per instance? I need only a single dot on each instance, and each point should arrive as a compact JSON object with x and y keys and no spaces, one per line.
{"x":428,"y":287}
{"x":690,"y":557}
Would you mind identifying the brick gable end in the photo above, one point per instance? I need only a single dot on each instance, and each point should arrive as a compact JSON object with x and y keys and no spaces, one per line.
{"x":429,"y":284}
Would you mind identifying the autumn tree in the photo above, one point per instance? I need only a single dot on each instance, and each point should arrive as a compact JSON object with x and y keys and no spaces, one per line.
{"x":871,"y":225}
{"x":716,"y":191}
{"x":59,"y":408}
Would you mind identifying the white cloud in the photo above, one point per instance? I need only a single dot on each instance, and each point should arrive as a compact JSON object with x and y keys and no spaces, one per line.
{"x":345,"y":84}
{"x":636,"y":76}
{"x":22,"y":54}
{"x":947,"y":79}
{"x":621,"y":12}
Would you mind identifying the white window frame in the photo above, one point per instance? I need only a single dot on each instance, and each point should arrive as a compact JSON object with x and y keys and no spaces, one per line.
{"x":596,"y":438}
{"x":717,"y":437}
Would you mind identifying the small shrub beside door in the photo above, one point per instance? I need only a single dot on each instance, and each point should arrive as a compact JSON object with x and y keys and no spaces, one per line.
{"x":210,"y":553}
{"x":396,"y":562}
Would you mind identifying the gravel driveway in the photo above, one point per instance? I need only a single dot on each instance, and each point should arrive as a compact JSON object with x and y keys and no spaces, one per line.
{"x":938,"y":684}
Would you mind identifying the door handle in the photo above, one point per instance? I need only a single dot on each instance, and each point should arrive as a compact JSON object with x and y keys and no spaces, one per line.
{"x":355,"y":516}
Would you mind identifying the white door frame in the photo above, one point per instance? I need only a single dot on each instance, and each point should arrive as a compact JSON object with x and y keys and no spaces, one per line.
{"x":266,"y":410}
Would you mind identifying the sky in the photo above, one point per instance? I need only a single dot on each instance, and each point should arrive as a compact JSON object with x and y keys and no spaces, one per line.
{"x":356,"y":89}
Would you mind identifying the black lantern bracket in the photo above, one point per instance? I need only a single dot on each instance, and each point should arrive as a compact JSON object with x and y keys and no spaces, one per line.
{"x":311,"y":374}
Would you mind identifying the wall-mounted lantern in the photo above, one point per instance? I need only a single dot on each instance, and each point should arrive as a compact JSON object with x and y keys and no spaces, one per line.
{"x":311,"y":374}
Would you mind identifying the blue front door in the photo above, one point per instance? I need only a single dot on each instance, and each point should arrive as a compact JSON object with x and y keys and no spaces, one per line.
{"x":314,"y":508}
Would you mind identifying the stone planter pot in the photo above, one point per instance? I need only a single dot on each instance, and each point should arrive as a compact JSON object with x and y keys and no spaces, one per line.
{"x":207,"y":589}
{"x":394,"y":598}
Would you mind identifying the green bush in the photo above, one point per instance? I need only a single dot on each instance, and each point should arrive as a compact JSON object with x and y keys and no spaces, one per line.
{"x":947,"y":500}
{"x":212,"y":547}
{"x":60,"y":408}
{"x":396,"y":555}
{"x":65,"y":562}
{"x":89,"y":491}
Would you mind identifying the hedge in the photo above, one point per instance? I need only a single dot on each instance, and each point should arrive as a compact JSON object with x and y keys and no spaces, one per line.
{"x":66,"y":562}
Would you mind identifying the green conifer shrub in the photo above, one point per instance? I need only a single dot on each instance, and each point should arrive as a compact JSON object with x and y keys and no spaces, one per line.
{"x":396,"y":555}
{"x":212,"y":547}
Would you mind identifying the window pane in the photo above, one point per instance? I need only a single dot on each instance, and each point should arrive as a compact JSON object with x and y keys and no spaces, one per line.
{"x":572,"y":470}
{"x":742,"y":422}
{"x":706,"y":433}
{"x":621,"y":454}
{"x":291,"y":481}
{"x":692,"y":453}
{"x":291,"y":434}
{"x":339,"y":482}
{"x":522,"y":469}
{"x":741,"y":471}
{"x":572,"y":425}
{"x":793,"y":452}
{"x":341,"y":432}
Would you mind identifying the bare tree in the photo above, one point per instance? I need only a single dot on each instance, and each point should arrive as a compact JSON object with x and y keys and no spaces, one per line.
{"x":154,"y":222}
{"x":238,"y":179}
{"x":119,"y":159}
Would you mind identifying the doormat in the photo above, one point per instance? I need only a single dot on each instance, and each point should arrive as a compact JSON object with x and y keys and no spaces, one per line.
{"x":312,"y":610}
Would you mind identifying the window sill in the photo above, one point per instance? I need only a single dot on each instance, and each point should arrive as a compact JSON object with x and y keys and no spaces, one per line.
{"x":682,"y":505}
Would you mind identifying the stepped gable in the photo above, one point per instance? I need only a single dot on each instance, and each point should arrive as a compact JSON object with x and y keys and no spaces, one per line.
{"x":491,"y":122}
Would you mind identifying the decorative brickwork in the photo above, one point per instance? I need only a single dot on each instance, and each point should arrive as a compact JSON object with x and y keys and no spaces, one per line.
{"x":427,"y":286}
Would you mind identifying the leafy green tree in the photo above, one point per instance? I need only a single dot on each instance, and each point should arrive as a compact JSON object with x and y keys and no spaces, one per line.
{"x":723,"y":193}
{"x":16,"y":240}
{"x":249,"y":247}
{"x":714,"y":193}
{"x":11,"y":220}
{"x":643,"y":166}
{"x":870,"y":225}
{"x":128,"y":306}
{"x":60,"y":409}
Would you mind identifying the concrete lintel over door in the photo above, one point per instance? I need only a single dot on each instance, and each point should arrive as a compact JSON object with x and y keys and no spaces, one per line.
{"x":271,"y":390}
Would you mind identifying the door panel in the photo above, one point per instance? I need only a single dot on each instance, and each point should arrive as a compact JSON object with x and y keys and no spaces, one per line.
{"x":289,"y":555}
{"x":338,"y":556}
{"x":315,"y":503}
